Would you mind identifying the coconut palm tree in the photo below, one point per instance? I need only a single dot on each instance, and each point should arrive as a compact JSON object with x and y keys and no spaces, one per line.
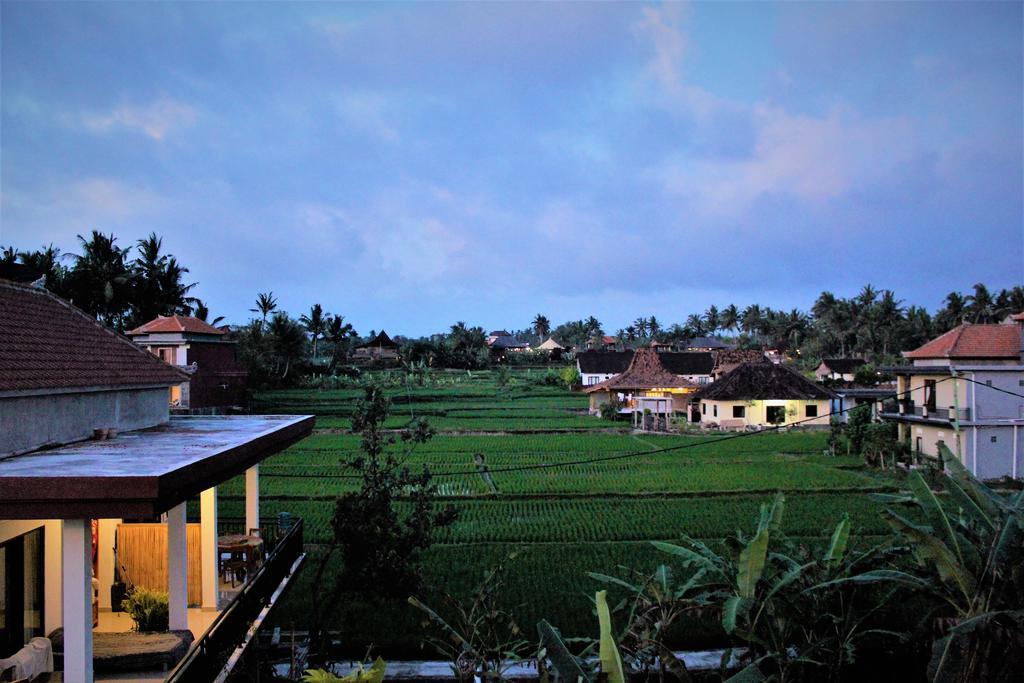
{"x":981,"y":306}
{"x":730,"y":318}
{"x":640,"y":325}
{"x":265,"y":305}
{"x":338,"y":332}
{"x":287,"y":342}
{"x":542,"y":326}
{"x":201,"y":311}
{"x":752,"y":320}
{"x":101,"y":279}
{"x":315,"y":323}
{"x":712,"y":321}
{"x":653,"y":327}
{"x":953,"y":312}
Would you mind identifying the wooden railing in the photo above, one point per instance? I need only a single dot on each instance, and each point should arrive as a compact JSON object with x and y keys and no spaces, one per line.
{"x":208,"y":655}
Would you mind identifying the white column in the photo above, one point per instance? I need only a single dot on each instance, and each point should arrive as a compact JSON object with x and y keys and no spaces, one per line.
{"x":76,"y":546}
{"x":177,"y":568}
{"x":252,"y":498}
{"x":105,"y":570}
{"x":208,"y":545}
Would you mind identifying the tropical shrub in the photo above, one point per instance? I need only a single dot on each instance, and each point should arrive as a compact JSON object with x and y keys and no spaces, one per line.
{"x":149,"y":609}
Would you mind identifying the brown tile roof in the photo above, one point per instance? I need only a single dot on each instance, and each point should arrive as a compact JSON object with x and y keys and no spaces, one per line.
{"x":972,"y":341}
{"x":381,"y":340}
{"x":175,"y":323}
{"x":46,"y":343}
{"x":645,"y":371}
{"x":762,"y":382}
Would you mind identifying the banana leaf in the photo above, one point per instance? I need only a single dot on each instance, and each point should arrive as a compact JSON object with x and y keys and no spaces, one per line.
{"x":837,"y":547}
{"x":611,"y":660}
{"x":562,"y":661}
{"x":751,"y":564}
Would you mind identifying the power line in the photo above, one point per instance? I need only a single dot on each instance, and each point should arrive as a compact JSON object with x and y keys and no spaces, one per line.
{"x":983,"y":384}
{"x":610,"y":458}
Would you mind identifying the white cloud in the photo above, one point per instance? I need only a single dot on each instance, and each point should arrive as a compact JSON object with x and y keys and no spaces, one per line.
{"x":155,"y":120}
{"x":369,"y":112}
{"x":808,"y":158}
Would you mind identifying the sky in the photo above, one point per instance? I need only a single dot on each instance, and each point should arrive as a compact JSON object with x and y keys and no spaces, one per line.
{"x":411,"y":165}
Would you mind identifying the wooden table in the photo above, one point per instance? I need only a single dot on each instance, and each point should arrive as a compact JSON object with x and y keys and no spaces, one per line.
{"x":249,"y":546}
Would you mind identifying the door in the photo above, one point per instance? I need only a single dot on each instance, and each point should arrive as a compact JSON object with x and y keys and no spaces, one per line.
{"x":775,"y":415}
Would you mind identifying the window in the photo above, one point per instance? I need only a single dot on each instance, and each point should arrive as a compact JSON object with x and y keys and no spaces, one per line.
{"x":775,"y":415}
{"x":739,"y":411}
{"x":715,"y":409}
{"x":703,"y":408}
{"x":21,"y":591}
{"x":811,"y":410}
{"x":929,"y":394}
{"x":993,"y":439}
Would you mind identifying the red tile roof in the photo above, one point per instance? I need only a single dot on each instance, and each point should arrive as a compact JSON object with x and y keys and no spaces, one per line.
{"x":46,"y":343}
{"x":175,"y":323}
{"x":972,"y":341}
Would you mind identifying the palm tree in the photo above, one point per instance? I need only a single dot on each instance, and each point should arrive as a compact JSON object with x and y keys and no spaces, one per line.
{"x":338,"y":332}
{"x":101,"y":279}
{"x":640,"y":325}
{"x":1009,"y":302}
{"x":314,"y":324}
{"x":752,"y":320}
{"x":287,"y":342}
{"x":730,"y":318}
{"x":265,"y":305}
{"x":981,"y":306}
{"x":953,"y":312}
{"x":653,"y":327}
{"x":695,"y":322}
{"x":202,"y":312}
{"x":542,"y":326}
{"x":593,"y":327}
{"x":712,"y":320}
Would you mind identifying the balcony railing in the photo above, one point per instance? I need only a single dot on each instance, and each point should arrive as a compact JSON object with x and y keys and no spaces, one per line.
{"x":908,"y":408}
{"x":208,"y":655}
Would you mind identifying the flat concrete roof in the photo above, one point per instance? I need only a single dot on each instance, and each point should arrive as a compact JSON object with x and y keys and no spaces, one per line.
{"x":141,"y":473}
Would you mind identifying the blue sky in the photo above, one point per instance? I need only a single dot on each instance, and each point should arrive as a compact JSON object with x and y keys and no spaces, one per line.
{"x":410,"y":165}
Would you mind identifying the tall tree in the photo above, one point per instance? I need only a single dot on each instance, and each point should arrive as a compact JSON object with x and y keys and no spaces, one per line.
{"x":542,"y":326}
{"x":730,"y":319}
{"x":653,"y":327}
{"x":315,"y":323}
{"x":201,"y":311}
{"x":265,"y":305}
{"x":101,"y":279}
{"x":981,"y":306}
{"x":712,"y":321}
{"x":640,"y":325}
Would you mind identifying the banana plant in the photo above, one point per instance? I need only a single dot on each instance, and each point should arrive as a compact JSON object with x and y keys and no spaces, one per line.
{"x":575,"y":669}
{"x":969,"y":555}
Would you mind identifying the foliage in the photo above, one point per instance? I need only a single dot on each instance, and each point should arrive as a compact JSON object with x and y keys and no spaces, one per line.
{"x":791,"y":609}
{"x":482,"y":639}
{"x":610,"y":409}
{"x":969,"y":559}
{"x":375,"y":674}
{"x":149,"y":609}
{"x":570,"y":376}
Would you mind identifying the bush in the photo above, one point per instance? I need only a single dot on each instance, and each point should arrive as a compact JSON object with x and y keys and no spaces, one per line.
{"x":148,"y":609}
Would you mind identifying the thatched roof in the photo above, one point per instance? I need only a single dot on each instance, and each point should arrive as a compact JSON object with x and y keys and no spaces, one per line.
{"x":381,"y":340}
{"x":550,"y":345}
{"x":727,"y":360}
{"x":761,"y":382}
{"x":645,"y":371}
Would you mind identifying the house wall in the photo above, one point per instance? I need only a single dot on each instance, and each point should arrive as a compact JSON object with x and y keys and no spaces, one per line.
{"x":591,"y":378}
{"x":756,"y":412}
{"x":52,"y":587}
{"x":30,"y":422}
{"x":216,"y":366}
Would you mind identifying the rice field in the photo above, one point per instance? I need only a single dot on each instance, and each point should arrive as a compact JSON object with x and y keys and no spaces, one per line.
{"x":591,"y":498}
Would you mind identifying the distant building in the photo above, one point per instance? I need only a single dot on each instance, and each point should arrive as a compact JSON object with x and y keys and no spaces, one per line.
{"x":217,"y":379}
{"x":604,"y":342}
{"x":961,"y":389}
{"x":645,"y":385}
{"x":599,"y":366}
{"x":550,"y":345}
{"x":843,"y":369}
{"x":848,"y":398}
{"x":705,"y":344}
{"x":501,"y":341}
{"x":727,"y":360}
{"x":761,"y":395}
{"x":381,"y":347}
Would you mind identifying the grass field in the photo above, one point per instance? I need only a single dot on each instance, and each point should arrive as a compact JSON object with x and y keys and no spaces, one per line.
{"x":563,"y":518}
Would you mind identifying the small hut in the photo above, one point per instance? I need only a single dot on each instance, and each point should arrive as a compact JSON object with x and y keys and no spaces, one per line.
{"x":381,"y":347}
{"x":646,"y":387}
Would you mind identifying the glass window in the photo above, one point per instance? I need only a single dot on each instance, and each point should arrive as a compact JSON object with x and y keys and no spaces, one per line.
{"x":21,"y":591}
{"x":811,"y":410}
{"x":715,"y":409}
{"x":739,"y":411}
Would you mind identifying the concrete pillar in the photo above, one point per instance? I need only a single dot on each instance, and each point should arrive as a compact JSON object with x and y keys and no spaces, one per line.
{"x":208,"y":545}
{"x":252,"y":498}
{"x":106,"y":568}
{"x":76,"y":544}
{"x":177,"y":568}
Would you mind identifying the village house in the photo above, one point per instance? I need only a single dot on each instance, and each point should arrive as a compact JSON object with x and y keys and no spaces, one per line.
{"x":960,"y":389}
{"x":727,"y":360}
{"x":550,"y":345}
{"x":839,"y":369}
{"x":599,"y":366}
{"x":646,"y":385}
{"x":381,"y":347}
{"x":91,"y":461}
{"x":501,"y":341}
{"x":848,"y":398}
{"x":761,"y":395}
{"x":217,"y":380}
{"x":705,"y":344}
{"x":602,"y":343}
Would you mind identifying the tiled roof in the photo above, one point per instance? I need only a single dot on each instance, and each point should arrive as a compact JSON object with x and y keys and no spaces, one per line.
{"x":727,"y":360}
{"x":175,"y":323}
{"x":972,"y":341}
{"x":762,"y":382}
{"x":46,"y":343}
{"x":645,"y":371}
{"x":603,"y":362}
